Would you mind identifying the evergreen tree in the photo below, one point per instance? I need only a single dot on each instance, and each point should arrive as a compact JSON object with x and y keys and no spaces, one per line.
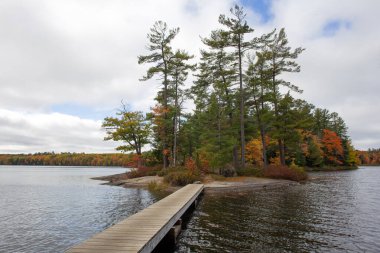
{"x":314,"y":157}
{"x":258,"y":80}
{"x":338,"y":125}
{"x":322,"y":119}
{"x":237,"y":28}
{"x":179,"y":72}
{"x":160,"y":38}
{"x":282,"y":60}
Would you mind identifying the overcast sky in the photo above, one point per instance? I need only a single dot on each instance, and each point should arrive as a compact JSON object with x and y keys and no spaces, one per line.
{"x":66,"y":64}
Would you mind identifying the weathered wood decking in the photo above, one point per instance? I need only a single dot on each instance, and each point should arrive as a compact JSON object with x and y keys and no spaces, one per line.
{"x":143,"y":231}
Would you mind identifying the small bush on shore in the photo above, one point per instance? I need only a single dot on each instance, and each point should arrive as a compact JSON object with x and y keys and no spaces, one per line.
{"x":217,"y":177}
{"x":250,"y":171}
{"x":157,"y":187}
{"x":293,"y":173}
{"x":143,"y":172}
{"x":164,"y":172}
{"x":227,"y":171}
{"x":181,"y":178}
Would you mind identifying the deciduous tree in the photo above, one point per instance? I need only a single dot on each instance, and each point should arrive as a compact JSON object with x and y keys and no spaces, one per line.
{"x":132,"y":128}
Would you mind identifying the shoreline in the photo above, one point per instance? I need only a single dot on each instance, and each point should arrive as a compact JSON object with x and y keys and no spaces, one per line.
{"x":331,"y":168}
{"x":230,"y":185}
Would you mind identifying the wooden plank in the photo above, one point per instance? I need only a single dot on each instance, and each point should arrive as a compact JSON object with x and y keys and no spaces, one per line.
{"x":143,"y":231}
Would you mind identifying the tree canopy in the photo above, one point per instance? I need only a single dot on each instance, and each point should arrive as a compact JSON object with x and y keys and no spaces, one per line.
{"x":246,"y":111}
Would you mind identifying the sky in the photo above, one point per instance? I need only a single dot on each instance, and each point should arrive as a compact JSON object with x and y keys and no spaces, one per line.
{"x":67,"y":64}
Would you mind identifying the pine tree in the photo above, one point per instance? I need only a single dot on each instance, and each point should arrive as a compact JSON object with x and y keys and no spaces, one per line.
{"x":179,"y":71}
{"x":322,"y":119}
{"x":161,"y":55}
{"x":258,"y":80}
{"x":314,"y":157}
{"x":237,"y":28}
{"x":282,"y":60}
{"x":214,"y":95}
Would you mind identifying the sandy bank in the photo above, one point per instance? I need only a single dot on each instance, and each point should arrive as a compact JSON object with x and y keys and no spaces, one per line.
{"x":241,"y":184}
{"x":122,"y":180}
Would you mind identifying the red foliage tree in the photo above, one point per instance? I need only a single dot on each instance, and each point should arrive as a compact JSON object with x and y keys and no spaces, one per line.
{"x":332,"y":147}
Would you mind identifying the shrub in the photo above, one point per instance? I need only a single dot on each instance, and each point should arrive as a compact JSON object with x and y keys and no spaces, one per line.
{"x":190,"y":165}
{"x":150,"y":158}
{"x":294,"y":172}
{"x":180,"y":178}
{"x":250,"y":171}
{"x":164,"y":172}
{"x":143,"y":171}
{"x":157,"y":187}
{"x":216,"y":177}
{"x":228,"y":171}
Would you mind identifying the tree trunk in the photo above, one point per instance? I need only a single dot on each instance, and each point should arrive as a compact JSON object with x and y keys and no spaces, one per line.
{"x":281,"y":147}
{"x":175,"y":142}
{"x":139,"y":162}
{"x":242,"y":133}
{"x":235,"y":157}
{"x":264,"y":151}
{"x":175,"y":122}
{"x":282,"y":151}
{"x":219,"y":129}
{"x":164,"y":137}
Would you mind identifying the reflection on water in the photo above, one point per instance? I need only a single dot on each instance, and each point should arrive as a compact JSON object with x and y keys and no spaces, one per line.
{"x":49,"y":209}
{"x":337,"y":212}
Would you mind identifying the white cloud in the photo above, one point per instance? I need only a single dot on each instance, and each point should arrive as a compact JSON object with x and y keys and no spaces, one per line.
{"x":37,"y":132}
{"x":85,"y":53}
{"x":338,"y":72}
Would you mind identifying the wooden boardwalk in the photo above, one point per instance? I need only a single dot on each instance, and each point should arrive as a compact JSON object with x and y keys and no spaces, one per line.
{"x":143,"y":231}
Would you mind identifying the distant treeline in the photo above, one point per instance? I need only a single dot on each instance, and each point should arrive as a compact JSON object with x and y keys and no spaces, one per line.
{"x":67,"y":159}
{"x":370,"y":157}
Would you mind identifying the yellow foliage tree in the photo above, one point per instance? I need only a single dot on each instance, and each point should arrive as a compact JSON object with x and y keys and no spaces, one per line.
{"x":253,"y":152}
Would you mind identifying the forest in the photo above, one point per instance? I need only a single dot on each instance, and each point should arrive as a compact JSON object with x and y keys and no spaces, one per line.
{"x":370,"y":157}
{"x":67,"y":159}
{"x":246,"y":112}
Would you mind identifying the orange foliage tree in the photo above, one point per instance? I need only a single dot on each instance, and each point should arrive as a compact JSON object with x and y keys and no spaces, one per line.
{"x":160,"y":128}
{"x":332,"y":147}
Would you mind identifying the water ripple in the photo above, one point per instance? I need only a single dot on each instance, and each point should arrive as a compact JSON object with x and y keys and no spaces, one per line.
{"x":338,"y":212}
{"x":50,"y":209}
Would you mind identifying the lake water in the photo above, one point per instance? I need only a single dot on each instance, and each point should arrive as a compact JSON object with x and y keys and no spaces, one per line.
{"x":336,"y":212}
{"x":49,"y":209}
